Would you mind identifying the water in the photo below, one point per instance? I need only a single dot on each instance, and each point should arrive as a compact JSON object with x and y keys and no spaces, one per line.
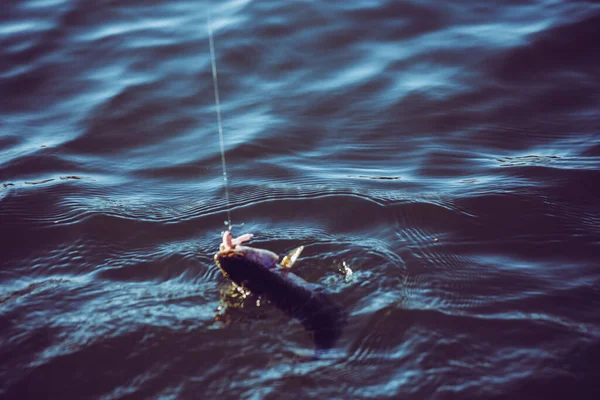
{"x":448,"y":153}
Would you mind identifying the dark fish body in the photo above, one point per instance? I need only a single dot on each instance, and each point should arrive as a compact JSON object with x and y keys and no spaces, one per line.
{"x":308,"y":303}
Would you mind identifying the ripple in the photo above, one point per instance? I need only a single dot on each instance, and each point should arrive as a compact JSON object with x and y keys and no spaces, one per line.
{"x":447,"y":154}
{"x":572,"y":39}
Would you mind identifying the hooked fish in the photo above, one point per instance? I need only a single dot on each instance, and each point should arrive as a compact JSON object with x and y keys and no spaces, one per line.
{"x":260,"y":272}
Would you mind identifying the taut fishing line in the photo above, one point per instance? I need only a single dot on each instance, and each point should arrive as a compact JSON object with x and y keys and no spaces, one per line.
{"x":219,"y":124}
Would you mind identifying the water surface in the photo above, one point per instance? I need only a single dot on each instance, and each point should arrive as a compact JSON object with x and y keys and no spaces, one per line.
{"x":449,"y":153}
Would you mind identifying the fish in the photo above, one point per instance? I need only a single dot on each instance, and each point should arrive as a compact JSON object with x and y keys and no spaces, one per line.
{"x":260,"y":272}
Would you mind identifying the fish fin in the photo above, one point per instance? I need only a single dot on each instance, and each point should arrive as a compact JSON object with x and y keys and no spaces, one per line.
{"x":291,"y":257}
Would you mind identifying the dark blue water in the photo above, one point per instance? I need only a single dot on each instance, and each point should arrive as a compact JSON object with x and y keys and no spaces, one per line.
{"x":447,"y":152}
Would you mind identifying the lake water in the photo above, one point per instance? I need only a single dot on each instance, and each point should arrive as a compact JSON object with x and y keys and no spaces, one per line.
{"x":447,"y":152}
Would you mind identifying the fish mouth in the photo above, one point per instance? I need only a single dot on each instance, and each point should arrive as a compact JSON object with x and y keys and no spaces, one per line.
{"x":228,"y":253}
{"x":232,"y":247}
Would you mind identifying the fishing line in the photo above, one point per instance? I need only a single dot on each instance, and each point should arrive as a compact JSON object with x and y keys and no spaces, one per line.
{"x":219,"y":124}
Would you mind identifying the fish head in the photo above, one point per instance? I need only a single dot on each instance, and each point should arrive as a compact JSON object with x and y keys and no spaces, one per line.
{"x":262,"y":257}
{"x":239,"y":262}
